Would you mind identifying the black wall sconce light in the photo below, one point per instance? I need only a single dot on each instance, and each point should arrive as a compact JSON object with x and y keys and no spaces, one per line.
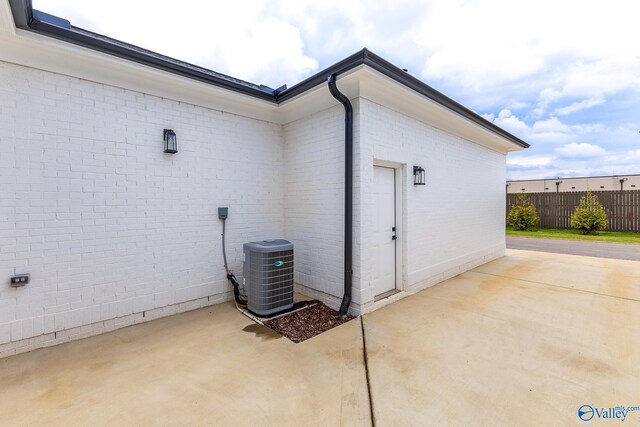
{"x":419,"y":175}
{"x":170,"y":141}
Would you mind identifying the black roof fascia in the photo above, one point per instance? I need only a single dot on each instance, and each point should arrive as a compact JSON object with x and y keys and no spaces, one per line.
{"x":370,"y":59}
{"x":388,"y":69}
{"x":319,"y":78}
{"x":58,"y":28}
{"x":22,"y":12}
{"x":49,"y":25}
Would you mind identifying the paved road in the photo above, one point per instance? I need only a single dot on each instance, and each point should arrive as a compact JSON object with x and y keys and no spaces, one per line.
{"x":576,"y":247}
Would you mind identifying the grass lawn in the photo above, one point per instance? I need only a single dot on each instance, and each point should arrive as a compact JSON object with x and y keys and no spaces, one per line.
{"x":603,"y":236}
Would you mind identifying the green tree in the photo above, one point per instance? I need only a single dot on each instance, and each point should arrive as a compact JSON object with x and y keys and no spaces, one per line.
{"x":523,"y":215}
{"x":589,"y":216}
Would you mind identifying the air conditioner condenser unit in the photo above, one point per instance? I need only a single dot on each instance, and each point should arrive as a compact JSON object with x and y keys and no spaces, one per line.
{"x":268,"y":276}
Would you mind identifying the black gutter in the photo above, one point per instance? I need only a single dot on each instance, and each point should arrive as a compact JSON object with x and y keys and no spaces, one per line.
{"x":142,"y":56}
{"x":61,"y":29}
{"x":348,"y":193}
{"x":343,"y":66}
{"x":370,"y":59}
{"x":32,"y":20}
{"x":388,"y":69}
{"x":22,"y":12}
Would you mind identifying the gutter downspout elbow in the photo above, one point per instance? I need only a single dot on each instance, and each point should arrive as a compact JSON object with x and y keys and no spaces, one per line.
{"x":348,"y":193}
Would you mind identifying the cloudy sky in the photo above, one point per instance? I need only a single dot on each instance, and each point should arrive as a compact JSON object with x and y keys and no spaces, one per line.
{"x":563,"y":75}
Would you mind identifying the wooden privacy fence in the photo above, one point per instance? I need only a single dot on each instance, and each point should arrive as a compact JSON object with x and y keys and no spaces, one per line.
{"x":554,"y":209}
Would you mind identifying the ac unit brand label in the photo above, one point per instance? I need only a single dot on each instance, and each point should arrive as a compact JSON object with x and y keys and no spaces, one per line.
{"x":278,"y":263}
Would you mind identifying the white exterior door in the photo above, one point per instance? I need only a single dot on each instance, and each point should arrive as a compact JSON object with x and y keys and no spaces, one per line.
{"x":384,"y":234}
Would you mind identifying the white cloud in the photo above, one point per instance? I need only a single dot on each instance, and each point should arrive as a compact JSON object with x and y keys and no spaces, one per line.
{"x":549,"y":131}
{"x":580,"y":150}
{"x":530,"y":161}
{"x":630,"y":158}
{"x":271,"y":47}
{"x":237,"y":38}
{"x":579,"y":106}
{"x":497,"y":45}
{"x":554,"y":151}
{"x":551,"y":125}
{"x":549,"y":94}
{"x":597,"y":79}
{"x":535,"y":69}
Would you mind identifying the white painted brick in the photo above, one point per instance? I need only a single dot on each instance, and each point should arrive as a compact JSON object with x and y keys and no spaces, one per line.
{"x":115,"y":232}
{"x":456,"y":221}
{"x":5,"y":333}
{"x":104,"y":220}
{"x":314,"y":200}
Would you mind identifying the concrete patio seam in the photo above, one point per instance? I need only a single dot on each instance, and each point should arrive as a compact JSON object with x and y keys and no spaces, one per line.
{"x":366,"y":371}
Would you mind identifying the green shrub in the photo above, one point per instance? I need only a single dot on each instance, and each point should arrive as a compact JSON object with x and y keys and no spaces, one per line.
{"x":523,"y":215}
{"x":589,"y":216}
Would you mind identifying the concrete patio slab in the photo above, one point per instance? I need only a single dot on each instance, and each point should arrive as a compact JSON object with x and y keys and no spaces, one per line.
{"x":211,"y":366}
{"x":619,"y":278}
{"x":523,"y":340}
{"x":482,"y":349}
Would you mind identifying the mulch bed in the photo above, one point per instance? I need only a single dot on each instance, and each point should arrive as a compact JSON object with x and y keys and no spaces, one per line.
{"x":307,"y":323}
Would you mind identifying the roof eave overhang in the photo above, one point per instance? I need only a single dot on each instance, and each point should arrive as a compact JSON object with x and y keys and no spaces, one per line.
{"x":27,"y":19}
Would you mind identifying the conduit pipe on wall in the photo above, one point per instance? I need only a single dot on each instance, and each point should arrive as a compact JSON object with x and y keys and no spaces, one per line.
{"x":348,"y":193}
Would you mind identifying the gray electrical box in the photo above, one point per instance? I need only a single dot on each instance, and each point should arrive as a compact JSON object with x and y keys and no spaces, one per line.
{"x":268,"y":276}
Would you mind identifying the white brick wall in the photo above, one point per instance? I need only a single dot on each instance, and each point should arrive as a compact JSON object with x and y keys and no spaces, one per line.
{"x":115,"y":232}
{"x":447,"y":232}
{"x":453,"y":223}
{"x":108,"y":225}
{"x":314,"y":200}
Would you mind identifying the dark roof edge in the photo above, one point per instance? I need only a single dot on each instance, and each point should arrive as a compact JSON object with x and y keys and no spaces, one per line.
{"x":319,"y":78}
{"x":370,"y":59}
{"x":33,"y":20}
{"x":22,"y":12}
{"x":51,"y":26}
{"x":388,"y":69}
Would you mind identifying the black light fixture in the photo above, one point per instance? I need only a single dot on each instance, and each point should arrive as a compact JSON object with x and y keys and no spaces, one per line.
{"x":622,"y":180}
{"x":558,"y":186}
{"x":418,"y":175}
{"x":170,"y":141}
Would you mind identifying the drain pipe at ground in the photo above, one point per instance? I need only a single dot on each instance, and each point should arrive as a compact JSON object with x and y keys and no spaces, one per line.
{"x":348,"y":193}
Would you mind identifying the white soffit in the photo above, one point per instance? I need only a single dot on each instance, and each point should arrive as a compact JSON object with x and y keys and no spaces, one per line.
{"x":49,"y":54}
{"x":319,"y":98}
{"x":385,"y":91}
{"x":7,"y":26}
